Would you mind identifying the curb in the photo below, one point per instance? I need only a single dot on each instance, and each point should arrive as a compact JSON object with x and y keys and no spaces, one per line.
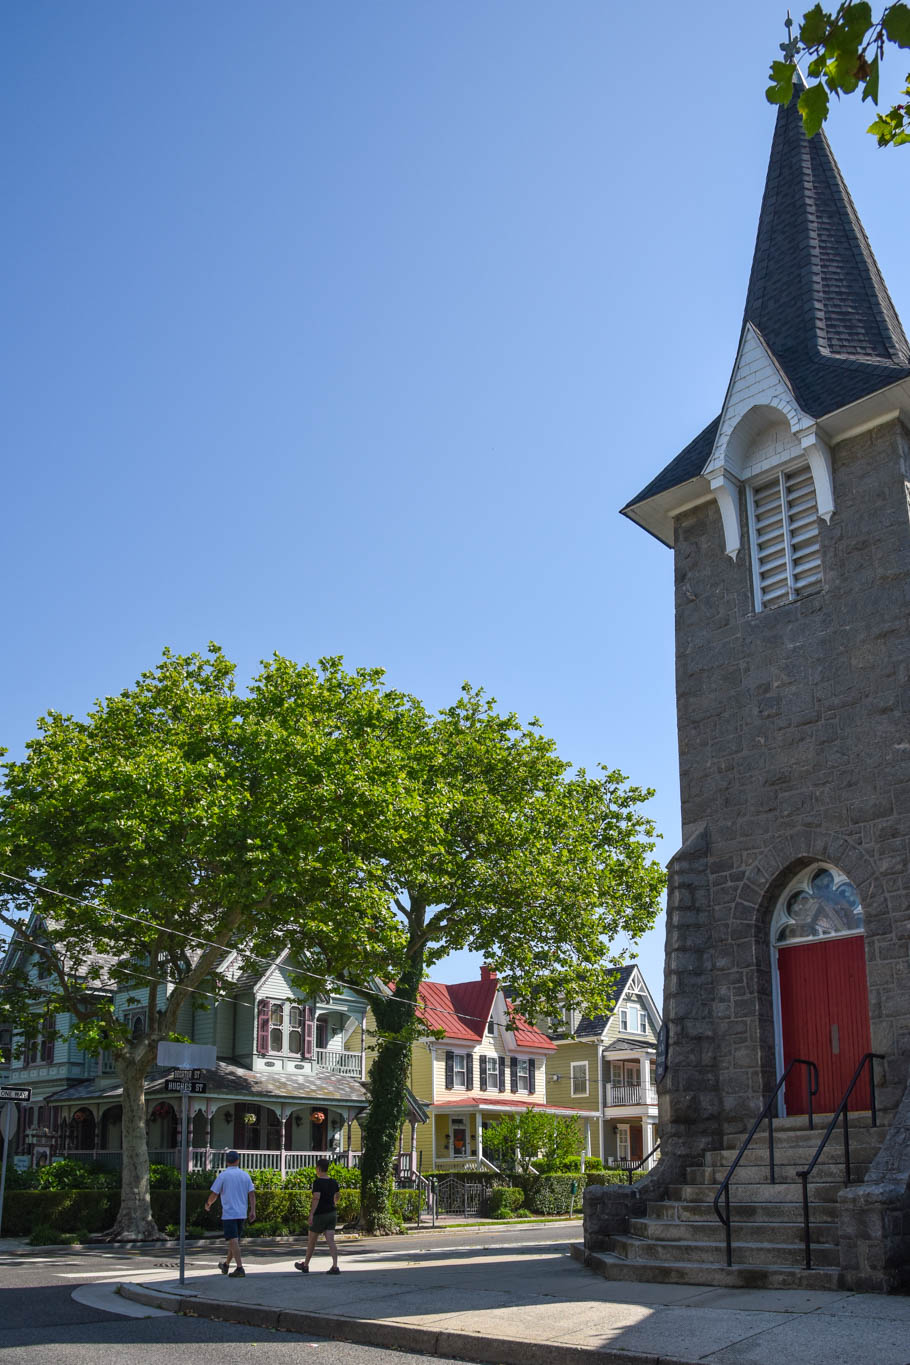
{"x":393,"y":1335}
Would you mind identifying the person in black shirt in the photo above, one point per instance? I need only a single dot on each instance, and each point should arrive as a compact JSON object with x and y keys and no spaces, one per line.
{"x":322,"y":1216}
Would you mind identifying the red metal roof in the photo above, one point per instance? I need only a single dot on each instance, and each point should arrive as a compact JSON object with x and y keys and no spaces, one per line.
{"x":463,"y":1009}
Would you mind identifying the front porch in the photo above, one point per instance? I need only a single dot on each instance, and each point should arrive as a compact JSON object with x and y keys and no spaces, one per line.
{"x":458,"y":1132}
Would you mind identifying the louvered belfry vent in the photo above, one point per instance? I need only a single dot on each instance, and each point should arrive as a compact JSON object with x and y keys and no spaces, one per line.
{"x":787,"y":554}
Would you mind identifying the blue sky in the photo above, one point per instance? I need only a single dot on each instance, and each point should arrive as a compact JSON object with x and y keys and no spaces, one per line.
{"x":347,"y":329}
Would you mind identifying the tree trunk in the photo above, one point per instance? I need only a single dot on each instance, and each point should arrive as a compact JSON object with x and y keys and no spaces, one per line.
{"x":134,"y":1221}
{"x":395,"y":1018}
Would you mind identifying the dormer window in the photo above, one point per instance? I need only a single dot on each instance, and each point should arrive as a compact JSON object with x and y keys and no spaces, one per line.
{"x":786,"y":553}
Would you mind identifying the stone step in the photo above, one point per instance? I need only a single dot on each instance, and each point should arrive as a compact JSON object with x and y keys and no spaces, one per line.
{"x":783,"y":1234}
{"x":613,"y":1267}
{"x":675,"y":1210}
{"x":784,"y":1192}
{"x":860,"y":1118}
{"x":640,"y":1249}
{"x":784,"y":1173}
{"x":864,"y":1146}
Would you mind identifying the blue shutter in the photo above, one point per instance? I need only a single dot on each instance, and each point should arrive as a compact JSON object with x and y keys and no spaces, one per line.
{"x":469,"y":1071}
{"x":530,"y":1075}
{"x":502,"y":1073}
{"x":483,"y":1072}
{"x":450,"y":1071}
{"x":513,"y":1074}
{"x":262,"y":1029}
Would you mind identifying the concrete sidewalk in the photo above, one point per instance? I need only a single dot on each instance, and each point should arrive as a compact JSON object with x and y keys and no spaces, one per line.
{"x":536,"y":1306}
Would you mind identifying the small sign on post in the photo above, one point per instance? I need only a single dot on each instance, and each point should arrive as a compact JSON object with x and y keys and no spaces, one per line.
{"x":189,"y":1061}
{"x":9,"y":1118}
{"x":20,"y":1093}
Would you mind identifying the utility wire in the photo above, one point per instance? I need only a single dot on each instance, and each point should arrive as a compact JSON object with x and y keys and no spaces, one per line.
{"x":252,"y":957}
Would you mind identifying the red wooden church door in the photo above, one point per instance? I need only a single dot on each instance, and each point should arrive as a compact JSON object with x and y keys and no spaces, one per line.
{"x":824,"y":1005}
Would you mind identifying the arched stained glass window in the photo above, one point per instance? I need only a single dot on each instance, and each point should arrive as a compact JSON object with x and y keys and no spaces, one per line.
{"x":820,"y":903}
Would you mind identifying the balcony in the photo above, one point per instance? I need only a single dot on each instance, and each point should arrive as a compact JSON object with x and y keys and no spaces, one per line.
{"x":628,"y":1096}
{"x":341,"y":1062}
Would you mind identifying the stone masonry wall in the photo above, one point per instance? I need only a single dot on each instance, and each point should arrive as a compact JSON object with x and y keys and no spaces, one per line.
{"x":794,"y":741}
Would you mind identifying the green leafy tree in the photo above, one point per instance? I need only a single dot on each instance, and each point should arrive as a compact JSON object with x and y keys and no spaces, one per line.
{"x":845,"y":47}
{"x":521,"y":1141}
{"x":179,"y":808}
{"x":486,"y":842}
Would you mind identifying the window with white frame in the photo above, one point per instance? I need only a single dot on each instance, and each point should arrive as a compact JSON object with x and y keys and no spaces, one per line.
{"x":623,"y":1146}
{"x":276,"y":1028}
{"x":579,"y":1078}
{"x":786,"y":552}
{"x":460,"y":1071}
{"x":524,"y":1081}
{"x":295,"y":1030}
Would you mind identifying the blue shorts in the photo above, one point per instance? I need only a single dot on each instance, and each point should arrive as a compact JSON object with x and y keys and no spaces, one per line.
{"x":233,"y":1227}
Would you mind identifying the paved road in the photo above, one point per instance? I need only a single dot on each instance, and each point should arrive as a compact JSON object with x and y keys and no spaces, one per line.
{"x":41,"y":1323}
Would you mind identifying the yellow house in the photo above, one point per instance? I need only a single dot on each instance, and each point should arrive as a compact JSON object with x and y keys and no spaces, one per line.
{"x":488,"y":1062}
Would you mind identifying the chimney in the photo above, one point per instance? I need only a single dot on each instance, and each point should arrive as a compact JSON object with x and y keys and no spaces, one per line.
{"x":487,"y":973}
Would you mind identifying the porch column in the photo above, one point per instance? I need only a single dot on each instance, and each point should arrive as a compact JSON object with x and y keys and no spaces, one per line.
{"x":97,"y":1137}
{"x":282,"y":1116}
{"x":413,"y":1146}
{"x":645,"y":1078}
{"x":208,"y":1135}
{"x":347,"y":1149}
{"x":479,"y":1122}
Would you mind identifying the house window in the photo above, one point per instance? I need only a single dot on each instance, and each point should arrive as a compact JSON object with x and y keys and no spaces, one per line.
{"x":622,"y":1142}
{"x":295,"y":1031}
{"x":786,"y":553}
{"x":460,"y":1072}
{"x":276,"y":1029}
{"x":523,"y":1075}
{"x":459,"y":1138}
{"x":579,"y":1078}
{"x":642,"y":1021}
{"x":491,"y":1027}
{"x":628,"y":1019}
{"x":821,"y":903}
{"x":6,"y":1045}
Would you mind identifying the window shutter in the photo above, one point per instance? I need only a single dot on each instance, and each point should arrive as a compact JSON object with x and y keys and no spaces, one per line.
{"x":513,"y":1070}
{"x":787,"y":552}
{"x":530,"y":1075}
{"x":483,"y":1072}
{"x":450,"y":1071}
{"x":469,"y":1071}
{"x":502,"y":1073}
{"x":308,"y":1031}
{"x":262,"y":1031}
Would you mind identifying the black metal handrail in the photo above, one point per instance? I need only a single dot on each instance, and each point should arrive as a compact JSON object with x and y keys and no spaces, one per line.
{"x":724,"y":1187}
{"x":867,"y":1060}
{"x":637,"y":1165}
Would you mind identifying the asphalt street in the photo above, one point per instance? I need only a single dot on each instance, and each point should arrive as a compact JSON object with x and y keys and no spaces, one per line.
{"x":42,"y":1324}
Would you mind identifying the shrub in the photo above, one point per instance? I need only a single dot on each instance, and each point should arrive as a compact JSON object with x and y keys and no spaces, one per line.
{"x":593,"y":1163}
{"x":28,"y":1210}
{"x":193,"y":1230}
{"x":504,"y":1200}
{"x":77,"y":1175}
{"x":164,"y":1177}
{"x":20,"y":1180}
{"x":348,"y":1206}
{"x":172,"y":1231}
{"x":265,"y":1179}
{"x":49,"y":1237}
{"x":551,"y":1194}
{"x":404,"y":1204}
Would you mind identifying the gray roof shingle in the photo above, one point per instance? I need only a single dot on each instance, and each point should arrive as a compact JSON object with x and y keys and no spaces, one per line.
{"x":815,"y":294}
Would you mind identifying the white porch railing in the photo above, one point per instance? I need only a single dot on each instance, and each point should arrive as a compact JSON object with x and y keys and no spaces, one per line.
{"x":616,"y":1095}
{"x":210,"y":1159}
{"x":341,"y":1062}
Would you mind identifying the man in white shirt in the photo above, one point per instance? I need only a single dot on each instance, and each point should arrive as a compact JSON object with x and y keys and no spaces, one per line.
{"x":238,"y":1195}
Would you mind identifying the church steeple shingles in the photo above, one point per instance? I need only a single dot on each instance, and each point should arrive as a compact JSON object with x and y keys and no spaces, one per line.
{"x":816,"y":293}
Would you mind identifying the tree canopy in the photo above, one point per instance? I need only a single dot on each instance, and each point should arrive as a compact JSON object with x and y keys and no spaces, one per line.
{"x":845,"y":48}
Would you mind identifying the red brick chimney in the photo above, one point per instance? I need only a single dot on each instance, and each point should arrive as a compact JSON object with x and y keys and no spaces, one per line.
{"x":487,"y":973}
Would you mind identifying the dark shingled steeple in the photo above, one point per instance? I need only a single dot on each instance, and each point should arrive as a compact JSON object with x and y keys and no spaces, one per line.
{"x":816,"y":294}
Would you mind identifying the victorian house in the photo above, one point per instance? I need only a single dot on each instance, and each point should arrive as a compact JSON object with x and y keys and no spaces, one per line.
{"x":287,"y":1086}
{"x":605,"y":1067}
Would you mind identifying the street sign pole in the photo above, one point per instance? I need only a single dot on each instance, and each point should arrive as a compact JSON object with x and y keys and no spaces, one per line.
{"x":8,"y":1116}
{"x":184,"y":1110}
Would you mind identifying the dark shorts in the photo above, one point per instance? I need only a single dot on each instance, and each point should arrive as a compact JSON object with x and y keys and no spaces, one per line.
{"x":323,"y":1222}
{"x":233,"y":1227}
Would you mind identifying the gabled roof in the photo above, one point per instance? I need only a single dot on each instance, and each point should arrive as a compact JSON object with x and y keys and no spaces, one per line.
{"x":594,"y":1027}
{"x":462,"y":1010}
{"x":816,"y":294}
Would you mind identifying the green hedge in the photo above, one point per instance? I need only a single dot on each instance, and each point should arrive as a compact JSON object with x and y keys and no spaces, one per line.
{"x":503,"y":1201}
{"x":63,"y":1210}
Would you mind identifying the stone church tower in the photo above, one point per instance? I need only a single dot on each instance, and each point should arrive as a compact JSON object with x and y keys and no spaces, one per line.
{"x":788,"y":922}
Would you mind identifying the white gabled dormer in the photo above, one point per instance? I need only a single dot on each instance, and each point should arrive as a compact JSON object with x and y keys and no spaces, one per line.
{"x":762,"y":430}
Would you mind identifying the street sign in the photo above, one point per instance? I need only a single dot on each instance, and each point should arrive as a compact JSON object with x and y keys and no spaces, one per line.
{"x":22,"y":1093}
{"x":178,"y":1087}
{"x":8,"y":1117}
{"x":187,"y":1074}
{"x":187,"y":1056}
